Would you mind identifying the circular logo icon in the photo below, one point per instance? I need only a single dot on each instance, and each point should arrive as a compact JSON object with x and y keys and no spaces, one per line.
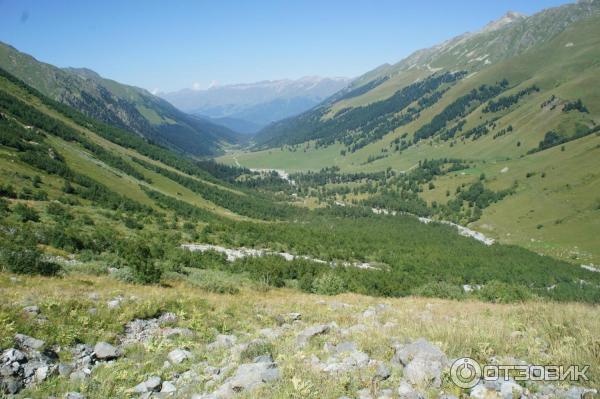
{"x":465,"y":372}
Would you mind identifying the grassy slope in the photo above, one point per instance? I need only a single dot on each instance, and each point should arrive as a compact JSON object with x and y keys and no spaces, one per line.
{"x":128,"y":107}
{"x":569,"y":72}
{"x":547,"y":333}
{"x":82,"y":161}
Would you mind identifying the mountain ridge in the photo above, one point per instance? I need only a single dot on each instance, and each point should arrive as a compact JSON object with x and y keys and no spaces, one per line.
{"x":258,"y":103}
{"x":124,"y":106}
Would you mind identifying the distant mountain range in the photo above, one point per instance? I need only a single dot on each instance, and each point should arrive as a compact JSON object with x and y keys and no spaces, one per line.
{"x":247,"y":108}
{"x":127,"y":107}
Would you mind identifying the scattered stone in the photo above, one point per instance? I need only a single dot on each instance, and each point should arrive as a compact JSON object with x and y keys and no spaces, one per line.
{"x":357,"y":328}
{"x":152,"y":384}
{"x":270,"y":333}
{"x":13,"y":355}
{"x":288,"y":317}
{"x":263,"y":359}
{"x":346,"y":347}
{"x":423,"y":362}
{"x":32,"y":310}
{"x":74,"y":395}
{"x":106,"y":351}
{"x":78,"y":375}
{"x":28,"y":343}
{"x":222,"y":341}
{"x":304,"y":337}
{"x":20,"y":369}
{"x":178,"y":355}
{"x":511,"y":390}
{"x":167,"y":318}
{"x":481,"y":391}
{"x":405,"y":391}
{"x":383,"y":372}
{"x":65,"y":369}
{"x":168,"y":387}
{"x":247,"y":377}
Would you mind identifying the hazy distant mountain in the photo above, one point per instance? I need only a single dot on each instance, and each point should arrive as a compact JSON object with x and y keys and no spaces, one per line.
{"x":127,"y":107}
{"x":249,"y":107}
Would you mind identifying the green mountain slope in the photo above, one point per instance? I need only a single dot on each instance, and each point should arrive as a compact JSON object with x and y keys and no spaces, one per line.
{"x":530,"y":119}
{"x":73,"y":186}
{"x":510,"y":36}
{"x":120,"y":105}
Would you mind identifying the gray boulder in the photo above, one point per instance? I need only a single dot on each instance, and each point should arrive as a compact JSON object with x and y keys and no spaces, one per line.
{"x":28,"y":343}
{"x":178,"y":355}
{"x":222,"y":341}
{"x":32,"y":310}
{"x":511,"y":390}
{"x":304,"y":337}
{"x":168,"y":387}
{"x":406,"y":391}
{"x":482,"y":391}
{"x":420,"y":348}
{"x":423,"y":363}
{"x":106,"y":351}
{"x":247,"y":377}
{"x":383,"y":372}
{"x":152,"y":384}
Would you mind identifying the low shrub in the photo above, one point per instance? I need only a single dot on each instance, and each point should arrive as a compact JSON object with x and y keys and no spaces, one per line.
{"x":329,"y":283}
{"x":439,"y":289}
{"x":499,"y":292}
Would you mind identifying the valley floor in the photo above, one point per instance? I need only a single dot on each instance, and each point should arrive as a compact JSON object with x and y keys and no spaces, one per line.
{"x":300,"y":332}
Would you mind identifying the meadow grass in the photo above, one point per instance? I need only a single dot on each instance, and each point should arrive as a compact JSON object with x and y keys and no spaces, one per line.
{"x":536,"y":332}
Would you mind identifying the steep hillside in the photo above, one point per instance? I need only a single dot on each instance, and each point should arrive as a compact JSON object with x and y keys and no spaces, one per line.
{"x":511,"y":35}
{"x":120,"y":105}
{"x":130,"y":188}
{"x":257,"y":104}
{"x":171,"y":269}
{"x":529,"y":119}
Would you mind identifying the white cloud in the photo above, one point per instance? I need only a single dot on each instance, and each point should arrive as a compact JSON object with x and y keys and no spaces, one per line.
{"x":196,"y":86}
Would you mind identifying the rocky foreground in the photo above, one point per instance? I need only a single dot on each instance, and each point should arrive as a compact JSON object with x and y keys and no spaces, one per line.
{"x":254,"y":362}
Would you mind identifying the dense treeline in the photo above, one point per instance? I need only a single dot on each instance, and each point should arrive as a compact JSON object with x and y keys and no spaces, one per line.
{"x":34,"y":118}
{"x":359,"y":126}
{"x":415,"y":254}
{"x":180,"y":208}
{"x":116,"y":135}
{"x":576,"y":105}
{"x":246,"y":205}
{"x":552,"y":138}
{"x":459,"y":108}
{"x":35,"y":152}
{"x":507,"y":101}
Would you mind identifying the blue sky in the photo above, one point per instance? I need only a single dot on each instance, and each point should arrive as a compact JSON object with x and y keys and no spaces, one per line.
{"x":171,"y":45}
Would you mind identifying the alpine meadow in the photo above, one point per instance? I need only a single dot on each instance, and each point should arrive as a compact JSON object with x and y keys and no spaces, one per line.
{"x":426,"y":229}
